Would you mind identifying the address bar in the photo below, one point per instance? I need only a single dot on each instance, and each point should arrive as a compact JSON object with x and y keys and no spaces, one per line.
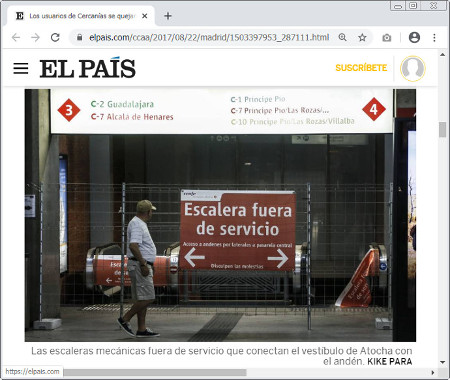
{"x":222,"y":37}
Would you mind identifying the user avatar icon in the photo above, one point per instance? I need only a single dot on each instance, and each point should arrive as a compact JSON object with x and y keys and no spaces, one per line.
{"x":414,"y":37}
{"x":413,"y":68}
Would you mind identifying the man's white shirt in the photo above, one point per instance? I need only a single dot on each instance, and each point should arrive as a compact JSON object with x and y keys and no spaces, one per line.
{"x":137,"y":232}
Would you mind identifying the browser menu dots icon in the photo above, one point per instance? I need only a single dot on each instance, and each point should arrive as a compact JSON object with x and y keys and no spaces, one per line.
{"x":20,"y":67}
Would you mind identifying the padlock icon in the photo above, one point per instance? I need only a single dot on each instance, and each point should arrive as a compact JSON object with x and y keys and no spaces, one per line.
{"x":79,"y":37}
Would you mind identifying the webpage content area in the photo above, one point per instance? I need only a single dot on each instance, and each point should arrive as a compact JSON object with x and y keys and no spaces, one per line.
{"x":274,"y":159}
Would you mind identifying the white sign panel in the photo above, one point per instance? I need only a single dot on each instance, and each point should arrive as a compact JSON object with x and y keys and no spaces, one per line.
{"x":219,"y":111}
{"x":30,"y":206}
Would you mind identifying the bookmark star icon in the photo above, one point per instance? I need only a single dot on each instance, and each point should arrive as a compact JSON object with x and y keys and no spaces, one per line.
{"x":362,"y":37}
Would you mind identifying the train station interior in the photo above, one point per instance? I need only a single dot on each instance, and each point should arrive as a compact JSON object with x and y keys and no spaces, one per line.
{"x":348,"y":180}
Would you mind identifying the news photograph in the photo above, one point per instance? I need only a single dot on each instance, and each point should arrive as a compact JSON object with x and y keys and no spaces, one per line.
{"x":224,"y":189}
{"x":220,"y":214}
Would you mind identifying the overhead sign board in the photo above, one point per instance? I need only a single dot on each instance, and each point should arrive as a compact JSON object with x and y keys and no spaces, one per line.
{"x":234,"y":110}
{"x":237,"y":230}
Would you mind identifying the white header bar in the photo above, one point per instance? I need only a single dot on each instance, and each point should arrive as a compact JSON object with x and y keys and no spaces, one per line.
{"x":217,"y":67}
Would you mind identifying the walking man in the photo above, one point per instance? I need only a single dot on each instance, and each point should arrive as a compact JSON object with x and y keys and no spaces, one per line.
{"x":141,"y":253}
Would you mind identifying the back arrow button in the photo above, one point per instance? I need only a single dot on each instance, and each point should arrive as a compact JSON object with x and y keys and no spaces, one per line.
{"x":15,"y":37}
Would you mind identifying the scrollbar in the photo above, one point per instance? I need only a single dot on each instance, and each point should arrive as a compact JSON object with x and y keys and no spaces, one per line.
{"x":152,"y":372}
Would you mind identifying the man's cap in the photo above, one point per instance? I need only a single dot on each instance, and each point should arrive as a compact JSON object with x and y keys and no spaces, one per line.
{"x":144,"y":206}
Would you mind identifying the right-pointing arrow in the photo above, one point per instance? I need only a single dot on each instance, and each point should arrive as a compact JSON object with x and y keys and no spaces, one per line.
{"x":283,"y":258}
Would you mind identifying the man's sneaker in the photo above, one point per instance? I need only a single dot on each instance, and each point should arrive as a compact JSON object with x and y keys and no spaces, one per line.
{"x":146,"y":334}
{"x":125,"y":326}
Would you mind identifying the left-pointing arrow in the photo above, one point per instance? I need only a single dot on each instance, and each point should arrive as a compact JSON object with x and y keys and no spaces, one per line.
{"x":283,"y":258}
{"x":189,"y":257}
{"x":15,"y":37}
{"x":108,"y":280}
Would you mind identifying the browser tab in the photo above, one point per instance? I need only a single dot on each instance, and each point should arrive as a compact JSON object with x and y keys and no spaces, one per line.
{"x":96,"y":15}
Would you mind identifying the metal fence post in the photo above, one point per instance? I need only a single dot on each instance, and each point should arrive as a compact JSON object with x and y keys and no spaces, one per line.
{"x":122,"y":260}
{"x":185,"y":285}
{"x":308,"y":256}
{"x":391,"y":198}
{"x":41,"y":228}
{"x":286,"y":287}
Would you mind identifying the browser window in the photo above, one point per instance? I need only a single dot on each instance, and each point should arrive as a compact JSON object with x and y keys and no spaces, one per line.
{"x":220,"y":189}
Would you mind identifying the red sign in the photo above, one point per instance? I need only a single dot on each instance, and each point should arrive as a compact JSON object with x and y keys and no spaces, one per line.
{"x":374,"y":109}
{"x":357,"y":292}
{"x":237,"y":230}
{"x":107,"y":271}
{"x":69,"y":110}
